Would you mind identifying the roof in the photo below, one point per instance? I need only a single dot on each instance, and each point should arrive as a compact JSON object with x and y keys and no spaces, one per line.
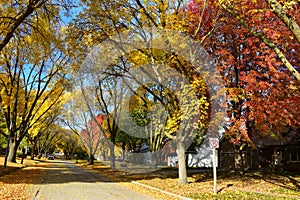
{"x":273,"y":139}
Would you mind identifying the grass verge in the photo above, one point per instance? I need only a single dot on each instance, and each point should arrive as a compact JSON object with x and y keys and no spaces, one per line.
{"x":231,"y":185}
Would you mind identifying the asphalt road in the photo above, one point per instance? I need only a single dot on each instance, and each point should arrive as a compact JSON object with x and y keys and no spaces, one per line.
{"x":63,"y":180}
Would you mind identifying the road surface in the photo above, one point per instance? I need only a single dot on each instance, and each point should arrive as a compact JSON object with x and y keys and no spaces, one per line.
{"x":64,"y":180}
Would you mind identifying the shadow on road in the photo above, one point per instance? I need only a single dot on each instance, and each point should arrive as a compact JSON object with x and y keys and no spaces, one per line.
{"x":61,"y":171}
{"x":56,"y":172}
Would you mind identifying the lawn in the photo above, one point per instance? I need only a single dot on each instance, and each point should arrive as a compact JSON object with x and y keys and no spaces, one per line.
{"x":231,"y":185}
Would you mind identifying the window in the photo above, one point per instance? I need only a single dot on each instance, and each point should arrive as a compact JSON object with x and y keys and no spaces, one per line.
{"x":295,"y":155}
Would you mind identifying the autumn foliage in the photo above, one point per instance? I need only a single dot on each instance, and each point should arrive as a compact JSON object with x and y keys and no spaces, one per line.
{"x":262,"y":95}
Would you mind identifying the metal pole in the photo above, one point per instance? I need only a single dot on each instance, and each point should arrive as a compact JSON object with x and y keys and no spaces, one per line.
{"x":215,"y":170}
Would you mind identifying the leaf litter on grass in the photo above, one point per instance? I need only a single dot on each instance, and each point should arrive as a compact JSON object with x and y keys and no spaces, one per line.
{"x":231,"y":185}
{"x":16,"y":180}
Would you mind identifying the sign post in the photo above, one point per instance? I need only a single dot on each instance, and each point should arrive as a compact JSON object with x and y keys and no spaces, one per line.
{"x":214,"y":144}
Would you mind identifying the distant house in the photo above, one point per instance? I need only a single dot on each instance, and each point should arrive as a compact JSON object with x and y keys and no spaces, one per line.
{"x":197,"y":156}
{"x":282,"y":152}
{"x":273,"y":153}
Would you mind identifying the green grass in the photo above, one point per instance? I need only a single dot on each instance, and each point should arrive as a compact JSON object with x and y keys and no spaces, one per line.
{"x":237,"y":195}
{"x":287,"y":191}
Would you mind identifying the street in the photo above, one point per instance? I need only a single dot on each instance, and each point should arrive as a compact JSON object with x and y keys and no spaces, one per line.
{"x":64,"y":180}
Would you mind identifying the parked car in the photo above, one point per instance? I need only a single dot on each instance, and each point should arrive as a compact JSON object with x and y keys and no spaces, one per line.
{"x":51,"y":157}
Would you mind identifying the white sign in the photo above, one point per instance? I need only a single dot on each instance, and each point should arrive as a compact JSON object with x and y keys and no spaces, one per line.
{"x":214,"y":142}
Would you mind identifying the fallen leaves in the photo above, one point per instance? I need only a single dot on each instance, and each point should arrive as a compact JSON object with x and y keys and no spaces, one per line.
{"x":19,"y":182}
{"x":16,"y":180}
{"x":252,"y":185}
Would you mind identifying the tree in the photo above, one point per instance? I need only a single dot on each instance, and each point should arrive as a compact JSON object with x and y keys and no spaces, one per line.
{"x":83,"y":123}
{"x":19,"y":16}
{"x":107,"y":95}
{"x":48,"y":140}
{"x":69,"y":143}
{"x":91,"y":138}
{"x":265,"y":79}
{"x":284,"y":13}
{"x":182,"y":107}
{"x":151,"y":116}
{"x":261,"y":94}
{"x":281,"y":12}
{"x":33,"y":80}
{"x":41,"y":127}
{"x":115,"y":17}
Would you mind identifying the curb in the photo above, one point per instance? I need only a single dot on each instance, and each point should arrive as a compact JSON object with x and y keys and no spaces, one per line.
{"x":144,"y":185}
{"x":165,"y":192}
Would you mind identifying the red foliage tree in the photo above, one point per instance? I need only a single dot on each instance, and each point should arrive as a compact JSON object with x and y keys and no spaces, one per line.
{"x":92,"y":137}
{"x":262,"y":96}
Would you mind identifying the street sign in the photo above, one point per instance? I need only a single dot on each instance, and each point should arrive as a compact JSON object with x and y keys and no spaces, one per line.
{"x":214,"y":142}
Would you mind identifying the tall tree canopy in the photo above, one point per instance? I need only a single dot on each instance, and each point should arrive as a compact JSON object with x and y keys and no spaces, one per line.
{"x":33,"y":73}
{"x":262,"y":93}
{"x":18,"y":17}
{"x":109,"y":21}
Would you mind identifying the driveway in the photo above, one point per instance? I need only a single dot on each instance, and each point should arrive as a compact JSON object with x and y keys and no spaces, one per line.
{"x":64,"y":180}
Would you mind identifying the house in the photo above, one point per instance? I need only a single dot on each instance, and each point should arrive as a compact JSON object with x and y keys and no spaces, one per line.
{"x":277,"y":152}
{"x":197,"y":156}
{"x":233,"y":157}
{"x":282,"y":152}
{"x":272,"y":153}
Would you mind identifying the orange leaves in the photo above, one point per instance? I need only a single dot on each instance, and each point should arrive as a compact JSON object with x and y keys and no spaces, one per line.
{"x":261,"y":92}
{"x":238,"y":131}
{"x":246,"y":51}
{"x":268,"y":14}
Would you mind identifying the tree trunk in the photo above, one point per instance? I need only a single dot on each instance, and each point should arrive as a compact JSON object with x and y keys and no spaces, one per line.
{"x":240,"y":159}
{"x":91,"y":161}
{"x":123,"y":151}
{"x":13,"y":147}
{"x":181,"y":162}
{"x":154,"y":156}
{"x":112,"y":156}
{"x":33,"y":150}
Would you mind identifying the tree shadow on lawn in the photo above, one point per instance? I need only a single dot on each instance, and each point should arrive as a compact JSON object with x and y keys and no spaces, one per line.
{"x":295,"y":182}
{"x":12,"y":167}
{"x":282,"y":179}
{"x":9,"y":169}
{"x":135,"y":174}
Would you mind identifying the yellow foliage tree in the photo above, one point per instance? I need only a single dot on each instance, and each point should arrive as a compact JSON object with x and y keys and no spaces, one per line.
{"x":18,"y":17}
{"x":33,"y":80}
{"x":109,"y":21}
